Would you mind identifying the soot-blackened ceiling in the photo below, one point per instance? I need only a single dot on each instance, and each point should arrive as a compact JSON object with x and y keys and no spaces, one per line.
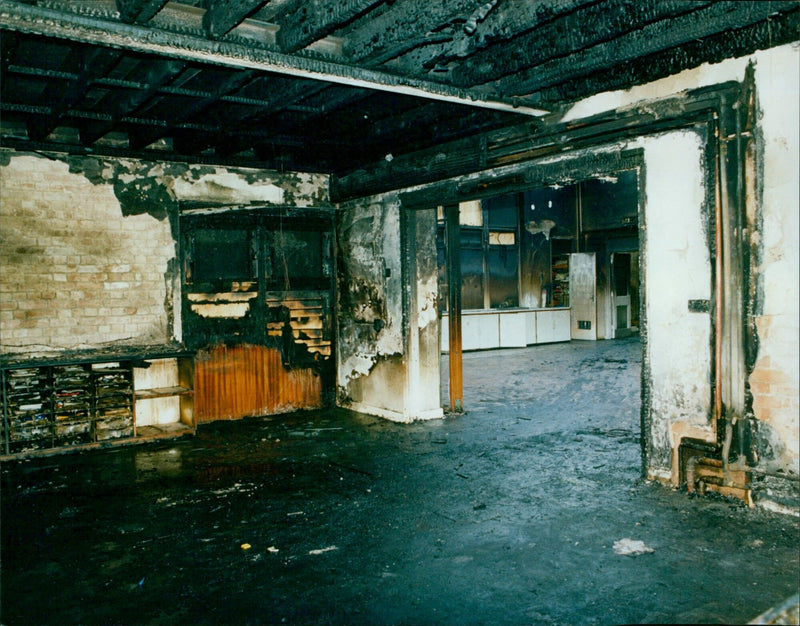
{"x":335,"y":85}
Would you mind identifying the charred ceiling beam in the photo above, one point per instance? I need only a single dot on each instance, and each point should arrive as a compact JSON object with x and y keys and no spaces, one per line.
{"x":321,"y":103}
{"x":62,"y":25}
{"x":138,"y":11}
{"x":512,"y":18}
{"x":293,"y":96}
{"x":193,"y":136}
{"x":778,"y":30}
{"x":305,"y":21}
{"x":276,"y":94}
{"x":436,"y":51}
{"x":280,"y":92}
{"x":137,"y":85}
{"x":428,"y":123}
{"x":650,"y":39}
{"x":527,"y":142}
{"x":222,"y":16}
{"x":233,"y":142}
{"x":123,"y":103}
{"x":566,"y":35}
{"x":334,"y":98}
{"x":116,"y":151}
{"x":195,"y":103}
{"x":88,"y":64}
{"x":400,"y":26}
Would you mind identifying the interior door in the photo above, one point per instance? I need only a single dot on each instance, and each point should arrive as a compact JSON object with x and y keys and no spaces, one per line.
{"x":583,"y":295}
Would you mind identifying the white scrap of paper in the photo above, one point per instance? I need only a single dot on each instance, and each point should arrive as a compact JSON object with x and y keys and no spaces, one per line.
{"x":631,"y":547}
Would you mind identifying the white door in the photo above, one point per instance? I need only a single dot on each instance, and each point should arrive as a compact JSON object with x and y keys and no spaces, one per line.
{"x":583,"y":295}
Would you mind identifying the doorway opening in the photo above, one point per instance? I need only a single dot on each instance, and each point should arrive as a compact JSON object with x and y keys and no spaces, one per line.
{"x":574,"y":282}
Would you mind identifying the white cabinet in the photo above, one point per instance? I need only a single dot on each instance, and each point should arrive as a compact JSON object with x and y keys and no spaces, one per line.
{"x":509,"y":328}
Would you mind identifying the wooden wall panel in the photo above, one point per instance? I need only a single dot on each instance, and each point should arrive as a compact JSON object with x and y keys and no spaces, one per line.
{"x":231,"y":382}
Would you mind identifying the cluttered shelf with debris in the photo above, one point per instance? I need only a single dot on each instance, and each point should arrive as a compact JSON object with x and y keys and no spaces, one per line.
{"x":59,"y":402}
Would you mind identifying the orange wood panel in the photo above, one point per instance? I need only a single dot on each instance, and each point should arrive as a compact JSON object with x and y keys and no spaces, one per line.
{"x":231,"y":382}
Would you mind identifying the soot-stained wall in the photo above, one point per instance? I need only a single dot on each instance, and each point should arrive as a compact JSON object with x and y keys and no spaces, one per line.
{"x":371,"y":347}
{"x":78,"y":268}
{"x":772,"y":303}
{"x":388,"y":352}
{"x":89,"y":245}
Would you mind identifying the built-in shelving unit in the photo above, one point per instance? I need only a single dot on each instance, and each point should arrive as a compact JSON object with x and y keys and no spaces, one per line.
{"x":163,"y":394}
{"x":560,"y":280}
{"x":91,"y":399}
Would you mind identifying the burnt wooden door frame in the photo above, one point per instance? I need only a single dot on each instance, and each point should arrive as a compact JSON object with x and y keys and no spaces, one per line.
{"x":724,"y":115}
{"x":453,"y":265}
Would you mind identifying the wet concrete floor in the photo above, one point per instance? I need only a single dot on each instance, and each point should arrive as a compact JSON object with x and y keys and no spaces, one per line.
{"x":505,"y":515}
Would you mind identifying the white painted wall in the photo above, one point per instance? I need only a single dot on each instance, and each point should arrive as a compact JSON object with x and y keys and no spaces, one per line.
{"x":775,"y":381}
{"x":677,"y":269}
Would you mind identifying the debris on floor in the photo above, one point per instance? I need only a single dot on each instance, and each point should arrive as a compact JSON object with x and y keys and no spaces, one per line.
{"x":631,"y":547}
{"x":323,"y":550}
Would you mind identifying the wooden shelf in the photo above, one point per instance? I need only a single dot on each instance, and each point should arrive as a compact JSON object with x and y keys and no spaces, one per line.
{"x":66,"y":404}
{"x":161,"y":392}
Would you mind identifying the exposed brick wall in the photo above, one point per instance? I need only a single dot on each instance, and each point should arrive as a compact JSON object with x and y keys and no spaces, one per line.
{"x":75,"y":272}
{"x":87,"y":250}
{"x":774,"y":379}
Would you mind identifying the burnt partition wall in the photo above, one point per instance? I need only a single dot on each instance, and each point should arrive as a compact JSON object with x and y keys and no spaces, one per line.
{"x":258,"y":308}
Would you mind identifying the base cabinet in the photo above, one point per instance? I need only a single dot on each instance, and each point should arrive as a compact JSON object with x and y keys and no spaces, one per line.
{"x":509,"y":328}
{"x":59,"y":405}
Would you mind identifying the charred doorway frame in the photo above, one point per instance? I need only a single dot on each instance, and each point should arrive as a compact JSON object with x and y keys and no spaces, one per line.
{"x":724,"y":116}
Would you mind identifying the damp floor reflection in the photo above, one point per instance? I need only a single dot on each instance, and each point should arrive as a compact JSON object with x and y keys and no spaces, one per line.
{"x":508,"y":514}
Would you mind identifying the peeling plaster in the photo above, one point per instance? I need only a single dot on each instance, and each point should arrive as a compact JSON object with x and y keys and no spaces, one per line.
{"x":370,"y":306}
{"x":358,"y":364}
{"x":775,"y":379}
{"x":224,"y":188}
{"x":427,"y":298}
{"x":705,"y":75}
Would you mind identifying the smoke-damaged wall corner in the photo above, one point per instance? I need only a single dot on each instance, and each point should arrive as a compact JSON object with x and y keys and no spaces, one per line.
{"x":383,"y":323}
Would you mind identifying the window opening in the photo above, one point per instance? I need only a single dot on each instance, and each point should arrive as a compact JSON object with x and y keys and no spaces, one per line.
{"x":221,"y":255}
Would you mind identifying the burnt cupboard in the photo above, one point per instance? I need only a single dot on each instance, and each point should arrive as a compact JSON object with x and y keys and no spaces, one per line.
{"x":94,"y":399}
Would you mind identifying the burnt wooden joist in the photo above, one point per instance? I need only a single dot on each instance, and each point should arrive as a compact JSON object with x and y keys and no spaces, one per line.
{"x":139,"y":11}
{"x":529,"y":141}
{"x":566,"y":35}
{"x":269,"y":81}
{"x":88,"y":64}
{"x":305,"y":22}
{"x":119,"y":104}
{"x":400,"y":23}
{"x":222,"y":16}
{"x":648,"y":39}
{"x":181,"y":109}
{"x":780,"y":29}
